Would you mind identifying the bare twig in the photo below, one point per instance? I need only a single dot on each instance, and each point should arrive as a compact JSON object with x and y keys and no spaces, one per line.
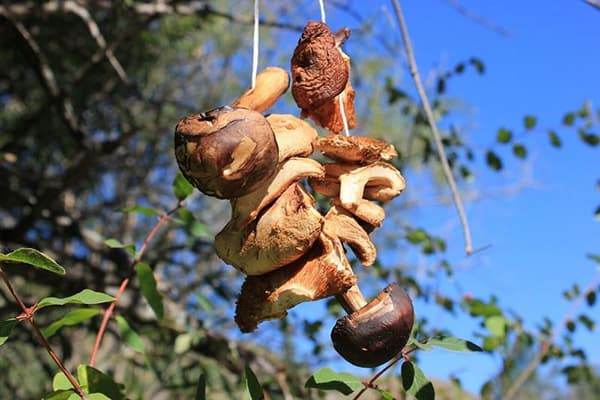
{"x":125,"y":282}
{"x":47,"y":76}
{"x":436,"y":135}
{"x":27,"y":313}
{"x":477,"y":18}
{"x":593,"y":3}
{"x":547,"y":344}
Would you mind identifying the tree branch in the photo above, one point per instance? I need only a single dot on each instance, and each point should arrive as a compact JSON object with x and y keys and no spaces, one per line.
{"x":478,"y":18}
{"x":593,"y":3}
{"x":436,"y":135}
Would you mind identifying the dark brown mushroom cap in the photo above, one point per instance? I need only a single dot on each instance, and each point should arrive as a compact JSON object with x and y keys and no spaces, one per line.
{"x":319,"y":72}
{"x":227,"y":152}
{"x":377,"y":332}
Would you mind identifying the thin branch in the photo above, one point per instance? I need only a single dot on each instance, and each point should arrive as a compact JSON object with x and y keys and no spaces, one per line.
{"x":109,"y":311}
{"x":47,"y":76}
{"x":436,"y":135}
{"x":27,"y":313}
{"x":593,"y":3}
{"x":94,"y":30}
{"x":546,"y":344}
{"x":478,"y":18}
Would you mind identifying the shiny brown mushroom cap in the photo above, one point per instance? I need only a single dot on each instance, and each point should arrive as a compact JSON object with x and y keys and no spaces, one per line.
{"x":378,"y":331}
{"x":227,"y":152}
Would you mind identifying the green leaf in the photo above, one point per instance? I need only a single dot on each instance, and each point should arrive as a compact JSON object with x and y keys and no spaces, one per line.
{"x":519,"y":150}
{"x":201,"y":388}
{"x":181,"y":187}
{"x":417,"y":236}
{"x":478,"y":308}
{"x":453,"y":344}
{"x":594,"y":257}
{"x":587,"y":321}
{"x":6,"y":328}
{"x":591,"y":298}
{"x":554,"y":139}
{"x":497,"y":325}
{"x":415,"y":382}
{"x":194,"y":227}
{"x":568,"y":119}
{"x":97,"y":382}
{"x":597,"y":213}
{"x":529,"y":121}
{"x":141,"y":210}
{"x":98,"y":396}
{"x":254,"y":390}
{"x":86,"y":296}
{"x":60,"y":382}
{"x":589,"y":138}
{"x":116,"y":244}
{"x":493,"y":161}
{"x":73,"y":317}
{"x":129,"y":335}
{"x":385,"y":394}
{"x":478,"y":64}
{"x":34,"y":258}
{"x":326,"y":379}
{"x":148,"y":288}
{"x":504,"y":135}
{"x":61,"y":395}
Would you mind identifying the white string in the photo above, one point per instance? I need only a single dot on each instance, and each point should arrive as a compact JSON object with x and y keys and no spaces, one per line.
{"x":344,"y":120}
{"x":255,"y":45}
{"x":323,"y":18}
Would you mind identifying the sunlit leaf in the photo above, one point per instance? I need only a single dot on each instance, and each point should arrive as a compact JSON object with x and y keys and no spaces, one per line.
{"x":415,"y":382}
{"x":148,"y":288}
{"x":141,"y":210}
{"x":116,"y":244}
{"x":129,"y":335}
{"x":385,"y":395}
{"x":97,"y":382}
{"x":6,"y":328}
{"x":61,"y":395}
{"x":453,"y":344}
{"x":181,"y":187}
{"x":34,"y":258}
{"x":326,"y":379}
{"x":60,"y":382}
{"x":497,"y":325}
{"x":417,"y":236}
{"x":86,"y":296}
{"x":254,"y":390}
{"x":73,"y":317}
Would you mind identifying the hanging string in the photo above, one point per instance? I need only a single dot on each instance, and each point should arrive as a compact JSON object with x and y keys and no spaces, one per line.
{"x":255,"y":44}
{"x":344,"y":119}
{"x":323,"y":18}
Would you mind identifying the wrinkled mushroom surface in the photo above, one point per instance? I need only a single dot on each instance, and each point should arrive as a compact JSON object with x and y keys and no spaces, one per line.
{"x":245,"y":209}
{"x":280,"y":235}
{"x":271,"y":84}
{"x":227,"y":152}
{"x":321,"y":273}
{"x":355,"y":149}
{"x":295,"y":137}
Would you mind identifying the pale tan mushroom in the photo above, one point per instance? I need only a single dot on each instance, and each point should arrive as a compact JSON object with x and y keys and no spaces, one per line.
{"x":280,"y":235}
{"x":340,"y":223}
{"x":320,"y":273}
{"x":365,"y":210}
{"x":271,"y":84}
{"x":245,"y":209}
{"x":355,"y":149}
{"x":294,"y":136}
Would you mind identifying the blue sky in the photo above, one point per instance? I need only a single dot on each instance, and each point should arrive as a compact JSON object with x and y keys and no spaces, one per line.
{"x":548,"y":65}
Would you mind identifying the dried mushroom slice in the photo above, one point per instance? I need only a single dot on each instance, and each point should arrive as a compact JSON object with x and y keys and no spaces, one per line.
{"x":245,"y":209}
{"x":355,"y":149}
{"x":271,"y":84}
{"x":294,"y":136}
{"x":320,"y":273}
{"x":227,"y":152}
{"x":365,"y":210}
{"x":280,"y":235}
{"x":341,"y":224}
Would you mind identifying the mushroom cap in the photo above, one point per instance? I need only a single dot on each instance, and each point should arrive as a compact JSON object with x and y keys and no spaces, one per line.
{"x":320,"y":273}
{"x":245,"y":209}
{"x":226,"y":152}
{"x":341,"y":224}
{"x":281,"y":234}
{"x":355,"y":149}
{"x":294,"y":136}
{"x":319,"y":72}
{"x":271,"y":84}
{"x":378,"y":331}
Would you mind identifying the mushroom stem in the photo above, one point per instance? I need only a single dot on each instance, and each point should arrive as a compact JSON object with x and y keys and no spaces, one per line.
{"x":352,"y":300}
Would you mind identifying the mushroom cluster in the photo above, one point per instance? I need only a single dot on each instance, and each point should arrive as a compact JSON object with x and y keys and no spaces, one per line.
{"x":290,"y":252}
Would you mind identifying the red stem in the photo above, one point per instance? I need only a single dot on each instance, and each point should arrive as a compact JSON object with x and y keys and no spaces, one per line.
{"x":28,"y":315}
{"x":109,"y":311}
